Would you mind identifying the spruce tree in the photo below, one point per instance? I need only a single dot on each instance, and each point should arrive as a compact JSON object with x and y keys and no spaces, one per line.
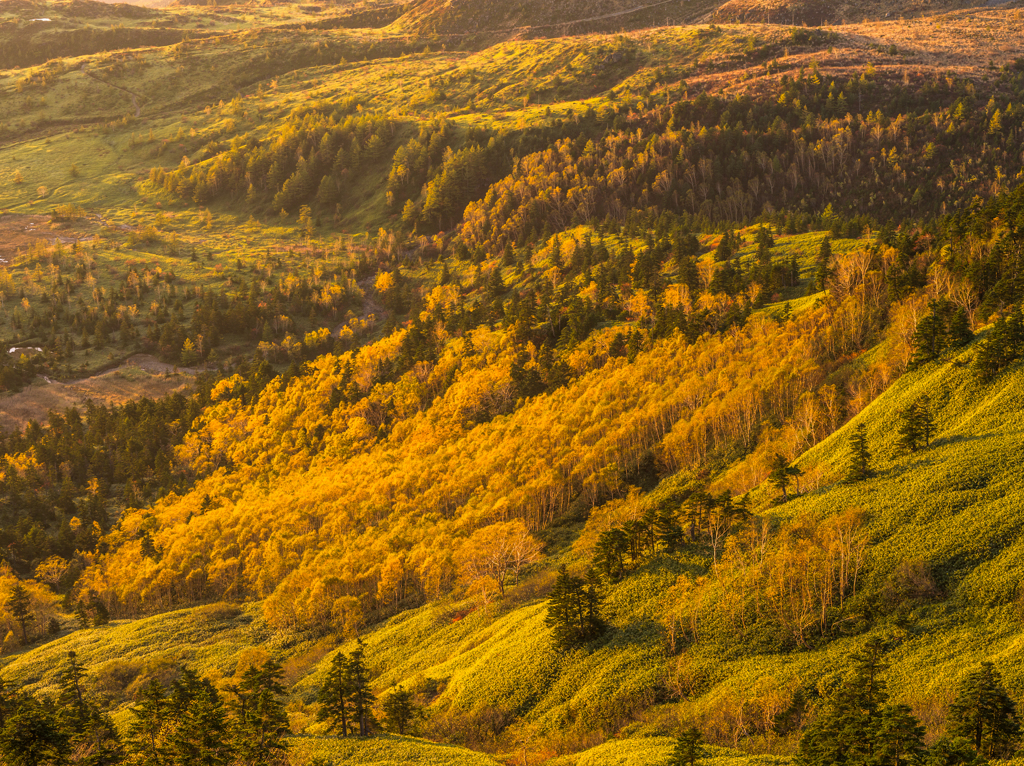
{"x":18,"y":605}
{"x":782,"y":474}
{"x":610,"y":552}
{"x":860,"y":457}
{"x":925,"y":419}
{"x":688,"y":748}
{"x":199,"y":735}
{"x":261,"y":723}
{"x":667,"y":530}
{"x":945,"y":327}
{"x":71,"y":698}
{"x":984,"y":714}
{"x":953,"y":751}
{"x":848,"y":732}
{"x":335,"y":696}
{"x":346,"y":698}
{"x":398,"y":710}
{"x":85,"y":727}
{"x":779,"y":476}
{"x":909,"y":431}
{"x":31,"y":735}
{"x":99,"y":611}
{"x":898,"y":737}
{"x":574,"y":610}
{"x":147,"y":733}
{"x":927,"y":340}
{"x":362,"y":695}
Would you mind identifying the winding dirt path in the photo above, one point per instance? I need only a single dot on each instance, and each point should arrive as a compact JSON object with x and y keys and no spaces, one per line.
{"x":135,"y":96}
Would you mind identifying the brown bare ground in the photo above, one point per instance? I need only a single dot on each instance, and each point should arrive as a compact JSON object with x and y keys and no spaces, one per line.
{"x":964,"y":44}
{"x":18,"y":232}
{"x":958,"y":39}
{"x":140,"y":376}
{"x":816,"y":12}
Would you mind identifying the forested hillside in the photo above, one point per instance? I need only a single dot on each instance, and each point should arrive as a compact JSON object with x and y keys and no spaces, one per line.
{"x":603,"y":398}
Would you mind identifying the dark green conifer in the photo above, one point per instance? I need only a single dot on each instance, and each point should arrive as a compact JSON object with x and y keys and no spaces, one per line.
{"x":574,"y":610}
{"x":689,"y":747}
{"x":667,"y":531}
{"x":398,"y":710}
{"x":909,"y":429}
{"x":782,"y":475}
{"x":201,"y":736}
{"x":335,"y":697}
{"x":898,"y":737}
{"x":31,"y":735}
{"x":88,"y":731}
{"x":147,"y":733}
{"x":860,"y":457}
{"x":261,"y":723}
{"x":953,"y":751}
{"x":609,"y":553}
{"x":845,"y":732}
{"x":984,"y":714}
{"x":18,"y":604}
{"x":362,"y":695}
{"x":346,"y":698}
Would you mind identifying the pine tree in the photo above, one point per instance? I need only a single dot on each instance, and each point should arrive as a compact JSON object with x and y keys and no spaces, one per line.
{"x":847,"y":731}
{"x":945,"y":327}
{"x":992,"y":355}
{"x":925,"y":419}
{"x":667,"y":531}
{"x":71,"y":699}
{"x":1002,"y":347}
{"x":574,"y":610}
{"x":688,"y":748}
{"x":398,"y":710}
{"x":82,"y":613}
{"x":31,"y":736}
{"x":898,"y":737}
{"x":201,"y":736}
{"x":18,"y":605}
{"x":779,"y":476}
{"x":147,"y":733}
{"x":335,"y":696}
{"x":610,"y":552}
{"x":346,"y":698}
{"x":86,"y":728}
{"x":100,"y":615}
{"x":984,"y":714}
{"x":953,"y":751}
{"x":261,"y":723}
{"x":927,"y":340}
{"x":860,"y":456}
{"x":909,"y":430}
{"x":361,"y":694}
{"x":782,"y":474}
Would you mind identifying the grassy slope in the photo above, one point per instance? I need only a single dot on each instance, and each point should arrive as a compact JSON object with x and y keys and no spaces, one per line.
{"x":956,"y":505}
{"x":211,"y":639}
{"x":388,"y":750}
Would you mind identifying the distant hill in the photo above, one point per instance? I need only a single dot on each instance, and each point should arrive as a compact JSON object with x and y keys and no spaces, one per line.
{"x":550,"y":18}
{"x":546,"y":18}
{"x":818,"y":12}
